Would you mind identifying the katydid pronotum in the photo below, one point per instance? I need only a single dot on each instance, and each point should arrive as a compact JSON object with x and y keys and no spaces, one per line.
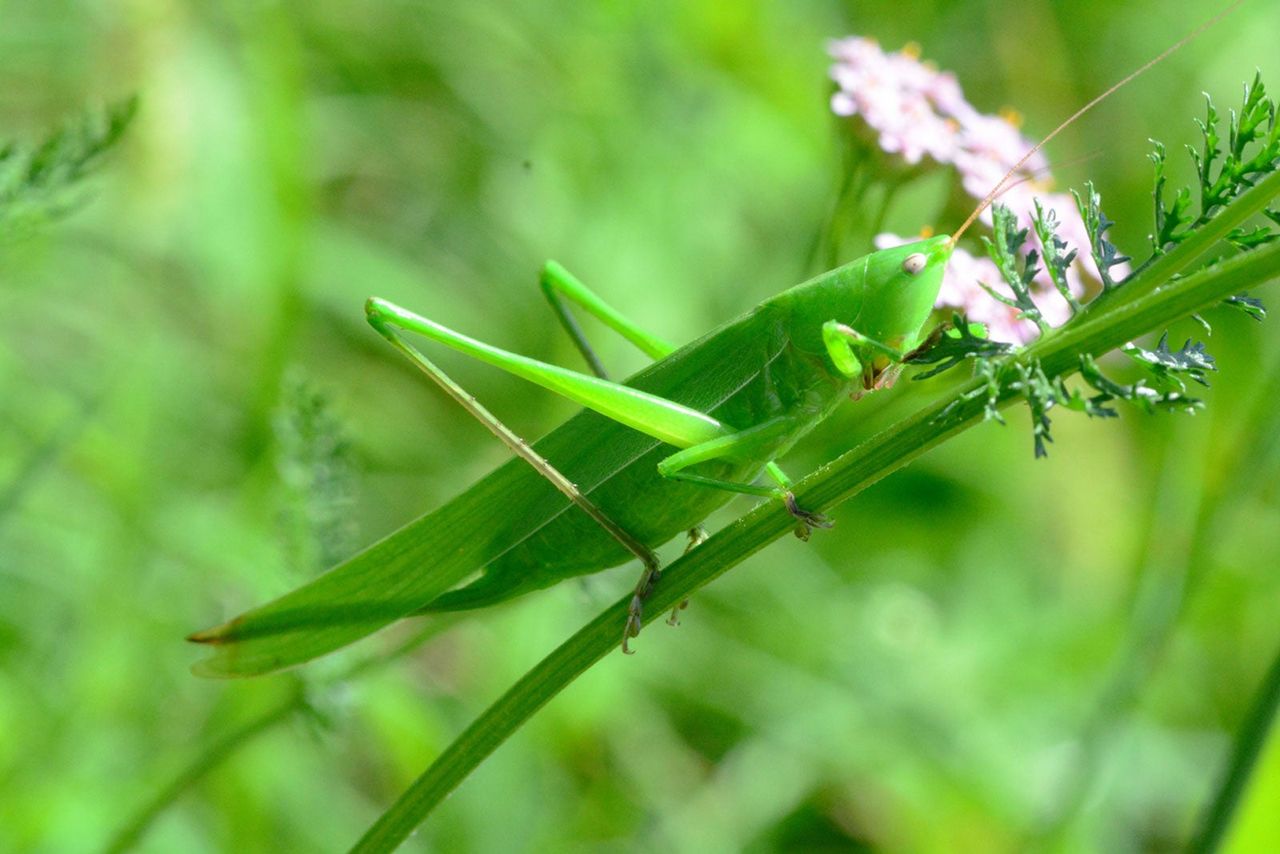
{"x":651,"y":458}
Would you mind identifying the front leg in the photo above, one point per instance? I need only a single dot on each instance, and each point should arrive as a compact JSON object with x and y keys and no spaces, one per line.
{"x":854,"y":354}
{"x":759,"y":442}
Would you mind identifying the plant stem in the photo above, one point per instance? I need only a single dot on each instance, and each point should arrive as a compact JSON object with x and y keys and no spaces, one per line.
{"x":209,"y":758}
{"x":1167,"y":595}
{"x":1249,"y":743}
{"x":1093,"y":334}
{"x":212,"y":755}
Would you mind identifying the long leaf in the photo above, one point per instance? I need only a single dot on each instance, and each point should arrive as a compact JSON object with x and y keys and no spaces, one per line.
{"x":1248,"y":746}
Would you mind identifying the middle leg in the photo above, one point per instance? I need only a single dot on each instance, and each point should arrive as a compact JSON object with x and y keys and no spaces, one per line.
{"x":756,"y":442}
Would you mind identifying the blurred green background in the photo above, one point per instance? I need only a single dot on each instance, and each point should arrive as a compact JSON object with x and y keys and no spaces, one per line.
{"x":987,"y":652}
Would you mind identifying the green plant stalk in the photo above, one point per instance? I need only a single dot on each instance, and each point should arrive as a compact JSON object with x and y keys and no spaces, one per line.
{"x":1059,"y":354}
{"x":1157,"y":613}
{"x":1244,"y":756}
{"x":127,"y":837}
{"x":212,"y":755}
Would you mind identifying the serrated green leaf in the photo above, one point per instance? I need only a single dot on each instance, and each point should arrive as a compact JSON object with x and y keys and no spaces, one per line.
{"x":1058,"y":256}
{"x":1164,"y":364}
{"x":961,"y":340}
{"x":1018,"y":269}
{"x":1251,"y":306}
{"x":38,"y":184}
{"x":1105,"y":254}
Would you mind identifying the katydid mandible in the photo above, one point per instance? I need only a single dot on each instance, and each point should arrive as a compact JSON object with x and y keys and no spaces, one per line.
{"x":651,"y":457}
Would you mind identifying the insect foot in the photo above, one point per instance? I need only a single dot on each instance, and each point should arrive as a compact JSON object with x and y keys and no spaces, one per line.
{"x":632,"y":629}
{"x":697,"y":536}
{"x":635,"y":611}
{"x":806,"y":520}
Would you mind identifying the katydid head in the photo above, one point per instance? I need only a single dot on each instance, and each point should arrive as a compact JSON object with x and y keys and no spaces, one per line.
{"x":901,"y":286}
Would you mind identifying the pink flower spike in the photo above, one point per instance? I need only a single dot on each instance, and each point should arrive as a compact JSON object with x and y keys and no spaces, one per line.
{"x":893,"y":95}
{"x":918,"y":112}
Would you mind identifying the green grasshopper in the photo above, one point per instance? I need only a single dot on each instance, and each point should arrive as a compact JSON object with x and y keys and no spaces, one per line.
{"x":766,"y":379}
{"x":649,"y":459}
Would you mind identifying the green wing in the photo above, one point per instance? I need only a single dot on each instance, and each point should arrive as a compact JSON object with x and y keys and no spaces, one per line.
{"x":412,"y":566}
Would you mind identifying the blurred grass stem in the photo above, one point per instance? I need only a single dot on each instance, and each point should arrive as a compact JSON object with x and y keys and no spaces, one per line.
{"x":1244,"y":757}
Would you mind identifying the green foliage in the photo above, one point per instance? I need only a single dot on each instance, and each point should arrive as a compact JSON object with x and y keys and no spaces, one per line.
{"x":906,"y":680}
{"x":42,"y":183}
{"x":1251,"y":154}
{"x":956,"y":342}
{"x":1058,"y":256}
{"x":1165,"y":365}
{"x":317,"y":474}
{"x":1252,"y":150}
{"x":1018,"y":269}
{"x":1003,"y":369}
{"x":1040,"y":394}
{"x":1148,"y":398}
{"x":1105,"y":254}
{"x":1252,"y":306}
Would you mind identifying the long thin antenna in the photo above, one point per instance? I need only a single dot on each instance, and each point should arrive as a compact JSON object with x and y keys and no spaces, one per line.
{"x":1045,"y":170}
{"x":999,"y":188}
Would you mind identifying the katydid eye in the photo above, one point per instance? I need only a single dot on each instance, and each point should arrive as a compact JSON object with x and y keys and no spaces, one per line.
{"x":914,"y":263}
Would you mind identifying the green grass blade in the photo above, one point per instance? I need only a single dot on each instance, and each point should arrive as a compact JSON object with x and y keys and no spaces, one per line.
{"x":209,"y":758}
{"x":1244,"y":757}
{"x":825,"y":488}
